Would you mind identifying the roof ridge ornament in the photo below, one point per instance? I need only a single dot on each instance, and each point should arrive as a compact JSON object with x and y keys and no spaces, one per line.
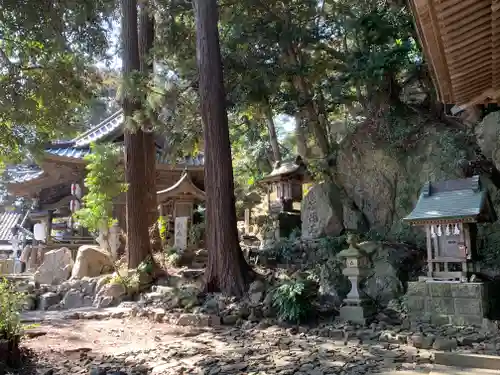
{"x":426,"y":189}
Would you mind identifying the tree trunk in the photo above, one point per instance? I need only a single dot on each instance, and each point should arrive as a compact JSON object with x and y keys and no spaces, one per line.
{"x":300,"y":134}
{"x":146,"y":42}
{"x":137,"y":230}
{"x":227,"y":271}
{"x":273,"y":138}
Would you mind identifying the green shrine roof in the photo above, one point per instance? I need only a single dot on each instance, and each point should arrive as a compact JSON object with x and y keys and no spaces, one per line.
{"x":453,"y":199}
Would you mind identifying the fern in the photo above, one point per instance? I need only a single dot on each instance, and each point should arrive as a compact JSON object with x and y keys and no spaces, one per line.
{"x":293,"y":300}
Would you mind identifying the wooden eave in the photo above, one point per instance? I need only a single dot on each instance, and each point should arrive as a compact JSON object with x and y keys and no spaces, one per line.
{"x":461,"y":42}
{"x":183,"y":187}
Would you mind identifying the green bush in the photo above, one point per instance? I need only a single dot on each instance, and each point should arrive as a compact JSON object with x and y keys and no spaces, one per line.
{"x":11,"y":303}
{"x":293,"y":300}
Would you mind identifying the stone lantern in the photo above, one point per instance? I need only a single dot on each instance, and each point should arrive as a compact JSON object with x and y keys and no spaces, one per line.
{"x":356,"y":307}
{"x":284,"y":188}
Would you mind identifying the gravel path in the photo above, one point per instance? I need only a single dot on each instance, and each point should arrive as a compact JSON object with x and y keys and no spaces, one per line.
{"x":138,"y":346}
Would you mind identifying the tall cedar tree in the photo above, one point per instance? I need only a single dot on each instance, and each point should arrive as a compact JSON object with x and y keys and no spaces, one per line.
{"x":137,"y":224}
{"x":227,"y":270}
{"x":146,"y":42}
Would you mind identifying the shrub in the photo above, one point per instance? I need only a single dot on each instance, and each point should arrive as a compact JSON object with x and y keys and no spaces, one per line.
{"x":293,"y":300}
{"x":11,"y":303}
{"x":173,"y":256}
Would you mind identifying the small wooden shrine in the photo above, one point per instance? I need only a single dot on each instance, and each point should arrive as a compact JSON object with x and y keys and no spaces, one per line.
{"x":284,"y":190}
{"x":180,"y":200}
{"x":450,"y":211}
{"x":49,"y":184}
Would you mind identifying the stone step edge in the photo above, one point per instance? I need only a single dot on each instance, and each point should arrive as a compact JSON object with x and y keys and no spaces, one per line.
{"x":156,"y":315}
{"x":466,"y":360}
{"x":443,"y":370}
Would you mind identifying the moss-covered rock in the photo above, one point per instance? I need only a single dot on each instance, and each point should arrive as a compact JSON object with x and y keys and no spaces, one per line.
{"x":384,"y":175}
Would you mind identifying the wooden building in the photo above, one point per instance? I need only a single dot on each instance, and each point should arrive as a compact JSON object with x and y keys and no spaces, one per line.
{"x":49,"y":183}
{"x":461,"y":42}
{"x":449,"y":211}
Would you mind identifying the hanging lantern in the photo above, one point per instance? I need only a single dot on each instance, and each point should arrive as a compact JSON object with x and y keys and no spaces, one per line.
{"x":76,"y":191}
{"x":433,"y":233}
{"x":74,"y":205}
{"x":448,"y":230}
{"x":40,"y":232}
{"x":439,"y":232}
{"x":456,"y":230}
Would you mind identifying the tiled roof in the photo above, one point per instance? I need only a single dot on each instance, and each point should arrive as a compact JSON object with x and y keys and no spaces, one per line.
{"x":20,"y":173}
{"x":462,"y":198}
{"x":79,"y":153}
{"x":69,"y":152}
{"x":98,"y":132}
{"x":7,"y":221}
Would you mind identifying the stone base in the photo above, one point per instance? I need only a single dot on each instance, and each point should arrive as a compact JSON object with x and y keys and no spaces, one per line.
{"x":356,"y":314}
{"x":447,"y":302}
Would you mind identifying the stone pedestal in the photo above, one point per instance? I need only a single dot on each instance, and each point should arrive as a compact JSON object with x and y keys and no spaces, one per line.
{"x":447,"y":302}
{"x":356,"y":307}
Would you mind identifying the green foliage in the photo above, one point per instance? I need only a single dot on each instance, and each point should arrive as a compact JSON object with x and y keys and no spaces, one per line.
{"x":47,"y":55}
{"x":135,"y":280}
{"x":173,"y":256}
{"x":196,"y":234}
{"x":293,"y":300}
{"x":11,"y":303}
{"x":163,"y":228}
{"x":104,"y":183}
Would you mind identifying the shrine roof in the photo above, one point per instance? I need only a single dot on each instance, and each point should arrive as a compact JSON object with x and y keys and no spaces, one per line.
{"x":451,"y":199}
{"x":23,"y":173}
{"x":100,"y":131}
{"x":461,"y":43}
{"x":183,"y":187}
{"x":286,"y":168}
{"x":7,"y":221}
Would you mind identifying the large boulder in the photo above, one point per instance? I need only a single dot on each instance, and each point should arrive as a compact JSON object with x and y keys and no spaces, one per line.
{"x":56,"y":267}
{"x":110,"y":295}
{"x":321,"y":213}
{"x":488,"y":137}
{"x":385,"y":181}
{"x":392,"y":265}
{"x":91,"y":262}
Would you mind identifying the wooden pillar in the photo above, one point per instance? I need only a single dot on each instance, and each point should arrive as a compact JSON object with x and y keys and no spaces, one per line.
{"x":430,"y":264}
{"x":49,"y":227}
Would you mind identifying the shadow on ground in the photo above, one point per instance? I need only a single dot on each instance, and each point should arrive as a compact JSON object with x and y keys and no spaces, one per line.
{"x":273,"y":350}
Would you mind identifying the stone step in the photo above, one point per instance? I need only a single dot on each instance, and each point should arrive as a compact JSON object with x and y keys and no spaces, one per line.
{"x":445,"y":370}
{"x":467,"y":360}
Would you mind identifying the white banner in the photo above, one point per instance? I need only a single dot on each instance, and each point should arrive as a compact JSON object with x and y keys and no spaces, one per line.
{"x":181,"y":232}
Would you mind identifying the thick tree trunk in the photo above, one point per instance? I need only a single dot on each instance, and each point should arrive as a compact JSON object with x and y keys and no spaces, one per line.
{"x":273,"y":138}
{"x":138,"y":248}
{"x":146,"y":42}
{"x":227,"y":271}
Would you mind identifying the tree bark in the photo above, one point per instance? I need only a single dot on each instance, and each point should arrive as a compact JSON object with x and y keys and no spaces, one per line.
{"x":227,"y":270}
{"x":273,"y":138}
{"x":146,"y":42}
{"x":138,"y":248}
{"x":300,"y":134}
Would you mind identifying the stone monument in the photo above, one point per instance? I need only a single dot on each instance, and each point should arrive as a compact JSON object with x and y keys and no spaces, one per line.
{"x":356,"y":307}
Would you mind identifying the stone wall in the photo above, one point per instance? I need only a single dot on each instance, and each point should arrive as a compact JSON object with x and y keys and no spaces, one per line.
{"x":447,"y":303}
